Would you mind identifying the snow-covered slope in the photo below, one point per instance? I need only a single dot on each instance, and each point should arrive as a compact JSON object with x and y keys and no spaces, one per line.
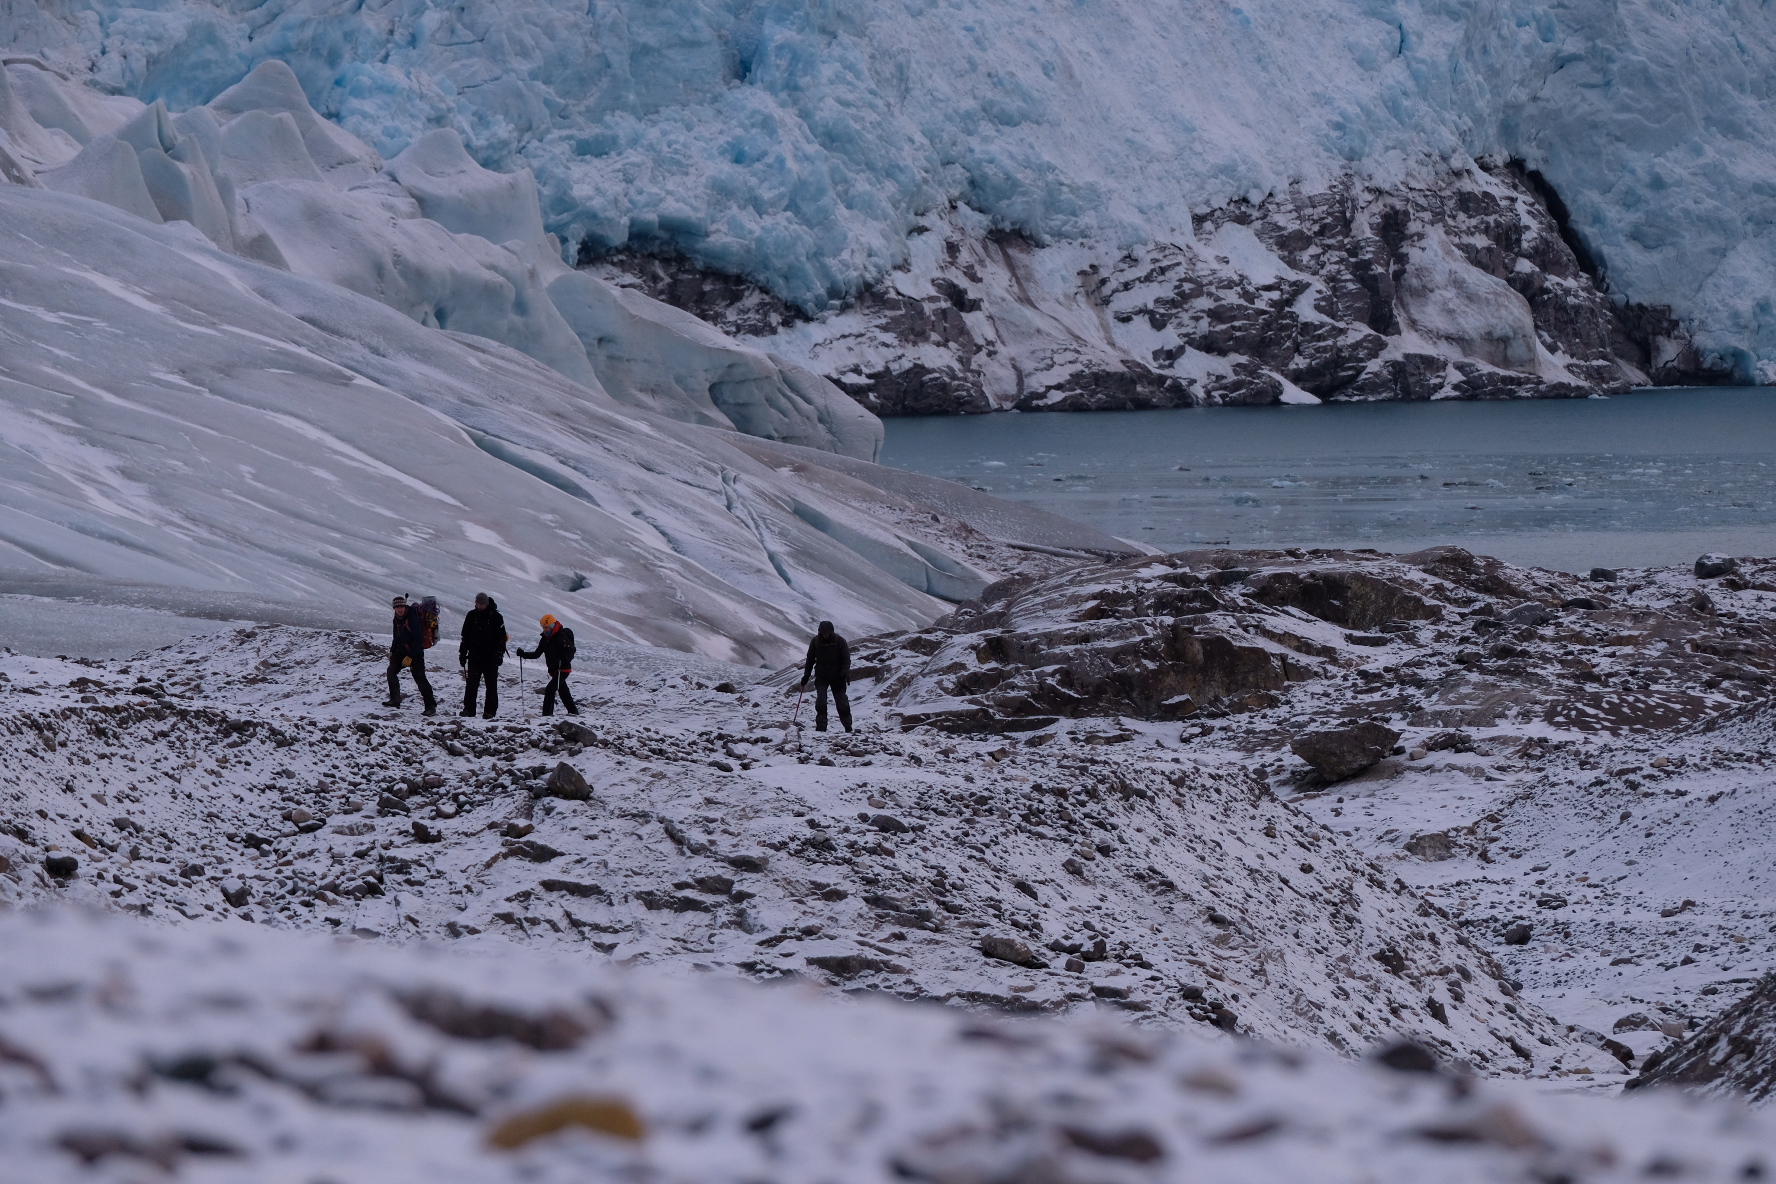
{"x":800,"y":146}
{"x":234,"y":1055}
{"x":708,"y":837}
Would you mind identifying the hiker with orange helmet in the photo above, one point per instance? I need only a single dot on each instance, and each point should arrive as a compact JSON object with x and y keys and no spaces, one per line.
{"x":556,"y":648}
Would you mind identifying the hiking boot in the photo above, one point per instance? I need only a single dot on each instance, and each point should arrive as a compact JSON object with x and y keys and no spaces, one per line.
{"x":469,"y":714}
{"x":391,"y":702}
{"x":573,"y":710}
{"x":430,"y":710}
{"x":489,"y":715}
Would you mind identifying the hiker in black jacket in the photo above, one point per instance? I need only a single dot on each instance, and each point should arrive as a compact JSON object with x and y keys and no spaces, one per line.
{"x":407,"y":650}
{"x":829,"y":661}
{"x":556,"y":647}
{"x":482,"y":651}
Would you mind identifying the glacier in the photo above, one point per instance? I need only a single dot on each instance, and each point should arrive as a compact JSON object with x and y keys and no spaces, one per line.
{"x":801,"y":146}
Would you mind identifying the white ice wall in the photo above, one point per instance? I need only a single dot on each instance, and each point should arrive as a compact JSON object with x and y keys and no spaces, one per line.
{"x":795,"y":143}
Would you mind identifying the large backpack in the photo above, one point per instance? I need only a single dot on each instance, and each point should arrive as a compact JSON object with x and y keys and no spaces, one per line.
{"x":428,"y":620}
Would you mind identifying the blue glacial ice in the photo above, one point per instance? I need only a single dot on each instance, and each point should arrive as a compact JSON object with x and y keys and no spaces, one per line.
{"x":796,"y":143}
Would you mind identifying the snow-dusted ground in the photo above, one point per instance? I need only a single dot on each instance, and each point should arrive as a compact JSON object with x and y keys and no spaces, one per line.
{"x":714,"y":839}
{"x":135,"y":1053}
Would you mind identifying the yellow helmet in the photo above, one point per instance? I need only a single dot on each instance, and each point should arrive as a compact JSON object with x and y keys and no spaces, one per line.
{"x":549,"y":622}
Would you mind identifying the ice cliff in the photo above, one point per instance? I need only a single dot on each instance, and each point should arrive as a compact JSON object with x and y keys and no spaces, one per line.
{"x":862,"y":161}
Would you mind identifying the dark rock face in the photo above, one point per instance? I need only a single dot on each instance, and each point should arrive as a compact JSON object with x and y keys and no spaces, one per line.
{"x":1467,"y":289}
{"x":1733,"y":1053}
{"x":1338,"y":753}
{"x":1208,"y":634}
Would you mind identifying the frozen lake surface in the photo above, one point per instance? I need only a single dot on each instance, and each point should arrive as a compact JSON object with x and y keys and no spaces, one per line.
{"x":1653,"y":477}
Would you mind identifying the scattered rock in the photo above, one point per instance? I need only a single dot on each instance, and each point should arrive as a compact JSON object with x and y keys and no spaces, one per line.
{"x":62,"y":867}
{"x":889,"y":823}
{"x":1450,"y":742}
{"x":1603,"y":575}
{"x":534,"y":851}
{"x":727,"y":688}
{"x":388,"y":803}
{"x":425,"y":834}
{"x":1433,"y":847}
{"x":1408,"y":1056}
{"x":1518,"y":934}
{"x":571,"y":887}
{"x":852,"y":965}
{"x":1010,"y":949}
{"x":1133,"y":1144}
{"x":1635,"y":1021}
{"x":748,"y":862}
{"x":1338,"y":753}
{"x":714,"y":885}
{"x":566,"y":783}
{"x":235,"y":894}
{"x":610,"y":1116}
{"x":296,"y":816}
{"x":1391,"y":958}
{"x":1550,"y":900}
{"x":1712,"y":566}
{"x":1532,"y":616}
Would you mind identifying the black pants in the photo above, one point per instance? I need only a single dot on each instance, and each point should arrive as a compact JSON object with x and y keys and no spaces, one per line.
{"x":840,"y":700}
{"x":419,"y":680}
{"x":476,"y":673}
{"x":557,"y":685}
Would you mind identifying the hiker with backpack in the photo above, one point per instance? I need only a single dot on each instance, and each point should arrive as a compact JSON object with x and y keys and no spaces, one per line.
{"x":482,"y":652}
{"x":413,"y":635}
{"x":829,"y":661}
{"x":556,"y":647}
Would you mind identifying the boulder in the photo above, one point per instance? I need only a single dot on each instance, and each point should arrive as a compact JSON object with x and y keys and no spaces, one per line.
{"x":566,"y":783}
{"x":62,"y":867}
{"x":1712,"y":566}
{"x":1338,"y":753}
{"x":1433,"y":848}
{"x":1603,"y":575}
{"x":1010,"y":949}
{"x":235,"y":893}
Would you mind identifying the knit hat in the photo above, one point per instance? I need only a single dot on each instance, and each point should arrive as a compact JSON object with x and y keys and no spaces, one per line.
{"x":400,"y":602}
{"x":549,"y":622}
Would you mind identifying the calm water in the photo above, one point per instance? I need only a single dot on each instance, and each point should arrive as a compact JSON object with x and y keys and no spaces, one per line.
{"x":1648,"y":478}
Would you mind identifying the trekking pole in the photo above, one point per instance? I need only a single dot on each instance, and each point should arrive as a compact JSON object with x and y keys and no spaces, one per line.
{"x":522,"y":697}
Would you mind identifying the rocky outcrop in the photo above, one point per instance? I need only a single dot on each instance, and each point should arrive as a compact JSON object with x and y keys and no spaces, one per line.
{"x":1467,"y":640}
{"x":1735,"y":1053}
{"x":1472,"y":289}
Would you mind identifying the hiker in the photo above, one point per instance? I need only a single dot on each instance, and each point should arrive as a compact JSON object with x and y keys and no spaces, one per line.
{"x":555,"y":646}
{"x":481,"y":653}
{"x":829,"y":661}
{"x":408,"y":651}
